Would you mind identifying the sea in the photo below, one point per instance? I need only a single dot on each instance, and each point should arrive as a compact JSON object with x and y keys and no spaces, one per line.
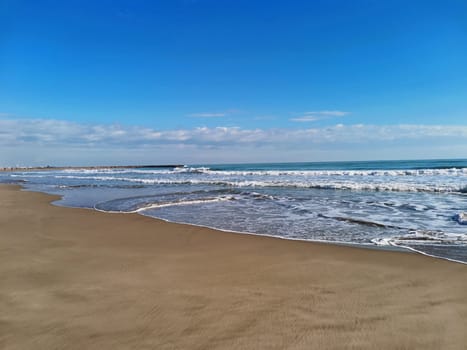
{"x":419,"y":205}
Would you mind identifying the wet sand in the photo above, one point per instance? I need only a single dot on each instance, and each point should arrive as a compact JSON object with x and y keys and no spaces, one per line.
{"x":80,"y":279}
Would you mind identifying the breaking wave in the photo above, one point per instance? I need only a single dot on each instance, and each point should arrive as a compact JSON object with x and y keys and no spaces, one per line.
{"x":318,"y":184}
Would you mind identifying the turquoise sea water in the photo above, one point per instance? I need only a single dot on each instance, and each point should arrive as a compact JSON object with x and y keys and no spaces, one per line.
{"x":420,"y":205}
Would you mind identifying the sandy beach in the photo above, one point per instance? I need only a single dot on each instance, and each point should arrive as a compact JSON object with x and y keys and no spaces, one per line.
{"x":81,"y":279}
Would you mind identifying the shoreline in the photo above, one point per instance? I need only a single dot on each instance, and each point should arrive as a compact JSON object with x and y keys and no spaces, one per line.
{"x":404,"y":249}
{"x":95,"y":167}
{"x":75,"y":278}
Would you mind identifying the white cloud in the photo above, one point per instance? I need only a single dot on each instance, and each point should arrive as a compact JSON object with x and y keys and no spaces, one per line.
{"x":318,"y":115}
{"x":41,"y":131}
{"x":47,"y":141}
{"x":328,"y":113}
{"x":208,"y":115}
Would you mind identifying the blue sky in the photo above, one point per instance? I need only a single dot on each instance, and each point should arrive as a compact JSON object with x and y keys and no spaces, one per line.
{"x":224,"y":80}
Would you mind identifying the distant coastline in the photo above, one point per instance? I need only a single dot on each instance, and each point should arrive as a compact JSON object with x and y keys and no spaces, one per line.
{"x":44,"y":168}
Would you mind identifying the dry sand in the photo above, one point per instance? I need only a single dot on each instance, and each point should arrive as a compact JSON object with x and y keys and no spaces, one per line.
{"x":80,"y":279}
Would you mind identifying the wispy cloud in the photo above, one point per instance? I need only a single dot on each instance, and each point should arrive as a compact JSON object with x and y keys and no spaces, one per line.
{"x":318,"y":115}
{"x":328,"y":113}
{"x":207,"y":115}
{"x":305,"y":118}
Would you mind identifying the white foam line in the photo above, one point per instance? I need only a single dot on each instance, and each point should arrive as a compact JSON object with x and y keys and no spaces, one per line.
{"x":196,"y":201}
{"x":163,"y":205}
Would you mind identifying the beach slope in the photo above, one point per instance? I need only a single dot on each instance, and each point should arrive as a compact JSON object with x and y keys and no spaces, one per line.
{"x":81,"y":279}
